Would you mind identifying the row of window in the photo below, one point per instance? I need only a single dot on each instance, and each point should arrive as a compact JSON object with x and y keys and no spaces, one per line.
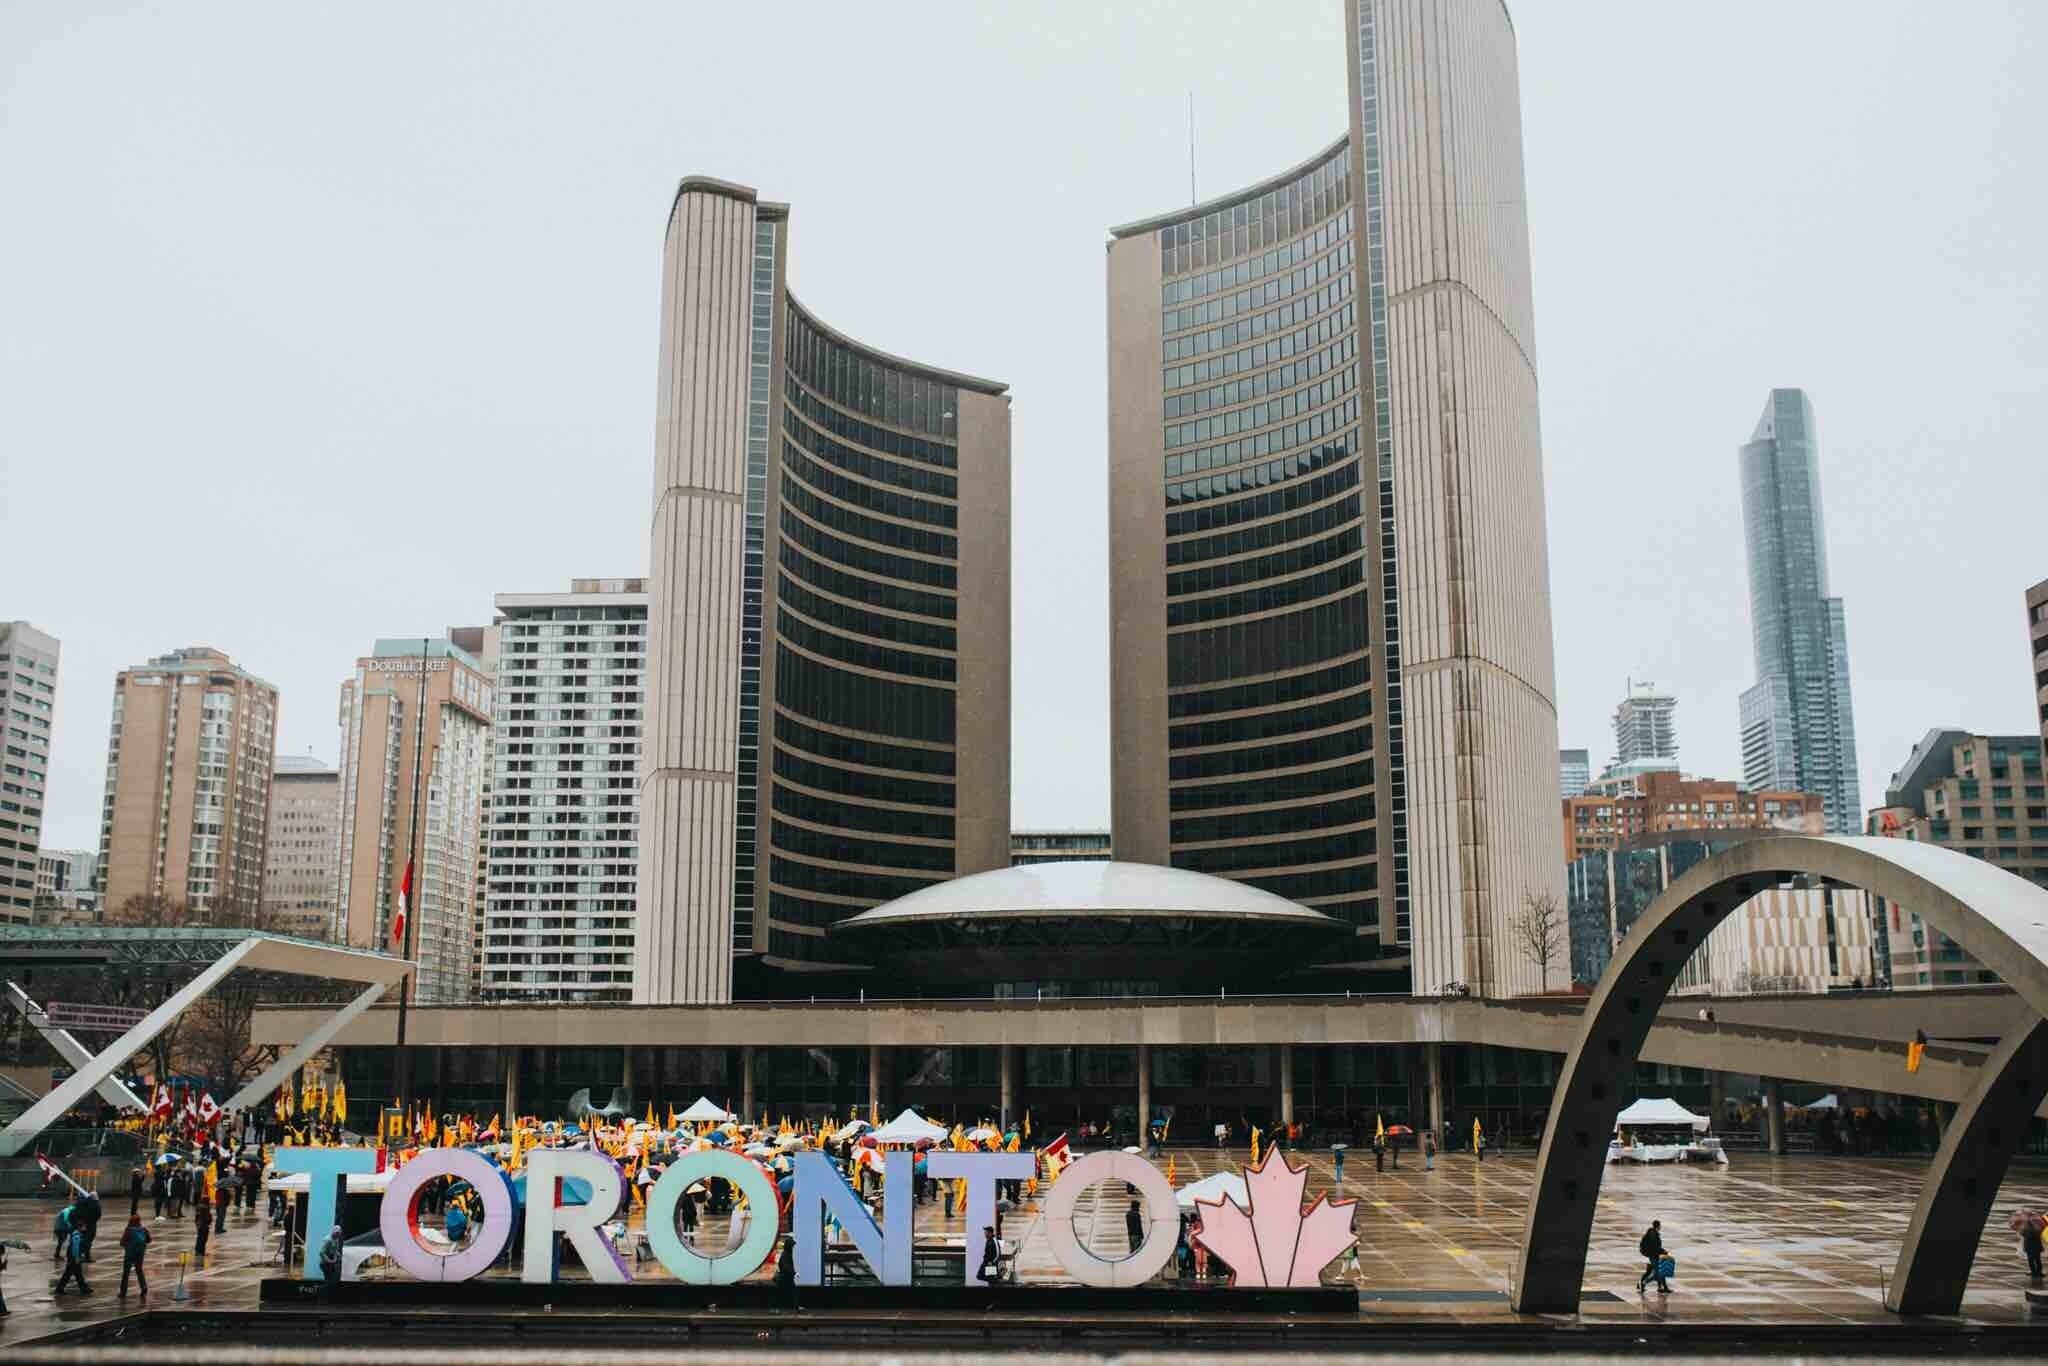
{"x":927,"y":635}
{"x":1260,"y":291}
{"x":1267,"y":597}
{"x":1282,"y":820}
{"x":1209,"y":578}
{"x":1273,"y":216}
{"x":855,"y":555}
{"x":870,"y":753}
{"x":1270,"y":725}
{"x":1334,"y":298}
{"x":888,"y":502}
{"x":863,"y":654}
{"x":1257,"y":355}
{"x":1280,"y":787}
{"x":874,"y":530}
{"x":837,"y":848}
{"x":1336,"y":230}
{"x":866,"y":384}
{"x":855,"y":783}
{"x":1238,"y":858}
{"x":1244,"y":649}
{"x":804,"y":806}
{"x":1235,"y":420}
{"x":884,"y":440}
{"x":882,"y":593}
{"x":872,"y":888}
{"x":878,"y":706}
{"x":1351,"y":879}
{"x":1226,"y":763}
{"x":1260,"y":383}
{"x":1313,"y":452}
{"x":1284,"y":499}
{"x":1273,"y":691}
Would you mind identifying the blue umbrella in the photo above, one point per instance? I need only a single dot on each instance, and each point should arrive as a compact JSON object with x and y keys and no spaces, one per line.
{"x":720,"y":1139}
{"x":786,"y":1184}
{"x":575,"y":1190}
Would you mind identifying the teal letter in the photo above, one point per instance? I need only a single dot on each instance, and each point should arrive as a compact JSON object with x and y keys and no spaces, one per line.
{"x":326,"y":1169}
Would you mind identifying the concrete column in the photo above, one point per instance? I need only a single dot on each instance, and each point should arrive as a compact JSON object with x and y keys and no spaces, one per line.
{"x":1717,"y":1096}
{"x":747,"y":1111}
{"x":1144,"y":1093}
{"x":511,"y":1056}
{"x":1774,"y":1113}
{"x":626,"y":1072}
{"x":875,"y":1056}
{"x":1433,"y":1066}
{"x":1286,"y":1080}
{"x":1006,"y":1066}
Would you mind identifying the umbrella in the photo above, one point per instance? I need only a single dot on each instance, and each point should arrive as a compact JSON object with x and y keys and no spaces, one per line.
{"x":575,"y":1190}
{"x":757,"y":1150}
{"x":786,"y":1185}
{"x":1399,"y":1129}
{"x":1222,"y":1186}
{"x":1340,"y":1147}
{"x":2024,"y":1219}
{"x":720,"y":1139}
{"x":867,"y":1140}
{"x":981,"y":1133}
{"x":166,"y":1158}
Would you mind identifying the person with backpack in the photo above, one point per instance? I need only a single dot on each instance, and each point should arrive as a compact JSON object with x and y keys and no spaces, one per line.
{"x":74,"y":1263}
{"x":1652,"y":1248}
{"x":134,"y":1242}
{"x":330,"y":1258}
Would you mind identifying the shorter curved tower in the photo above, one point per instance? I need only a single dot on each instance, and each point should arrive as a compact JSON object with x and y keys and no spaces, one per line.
{"x":829,"y":619}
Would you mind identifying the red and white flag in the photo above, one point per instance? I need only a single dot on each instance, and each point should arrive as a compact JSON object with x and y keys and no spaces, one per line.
{"x":190,"y":1116}
{"x":1056,"y":1157}
{"x":160,"y":1102}
{"x":404,"y":905}
{"x":50,"y":1169}
{"x":209,"y":1111}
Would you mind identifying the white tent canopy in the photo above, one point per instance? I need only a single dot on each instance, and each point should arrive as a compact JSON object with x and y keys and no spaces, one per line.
{"x":908,"y":1127}
{"x":704,"y":1111}
{"x":1830,"y":1101}
{"x":1660,"y":1114}
{"x":1222,"y":1186}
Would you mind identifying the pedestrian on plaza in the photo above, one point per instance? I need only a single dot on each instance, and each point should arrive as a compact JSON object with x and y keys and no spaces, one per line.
{"x":1134,"y":1226}
{"x":689,"y":1216}
{"x":67,"y":1219}
{"x":135,"y":1188}
{"x":1478,"y":1141}
{"x":991,"y":1270}
{"x":2031,"y":1226}
{"x":159,"y":1191}
{"x":134,"y":1242}
{"x":1429,"y":1152}
{"x":74,"y":1263}
{"x":202,"y":1219}
{"x":3,"y":1277}
{"x":1394,"y":1150}
{"x":1379,"y":1153}
{"x":1337,"y":1160}
{"x":88,"y":1221}
{"x":1652,"y":1248}
{"x":947,"y":1192}
{"x":330,"y":1259}
{"x":785,"y":1272}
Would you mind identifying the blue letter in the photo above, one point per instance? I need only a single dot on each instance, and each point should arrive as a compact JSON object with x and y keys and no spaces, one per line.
{"x":820,"y":1188}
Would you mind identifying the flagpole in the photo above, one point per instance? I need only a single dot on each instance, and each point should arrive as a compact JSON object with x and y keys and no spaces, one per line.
{"x":401,"y":1056}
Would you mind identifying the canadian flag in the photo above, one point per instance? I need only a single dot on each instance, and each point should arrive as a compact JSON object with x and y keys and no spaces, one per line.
{"x":404,"y":904}
{"x":209,"y":1111}
{"x":160,"y":1102}
{"x":1056,"y":1157}
{"x":191,"y":1109}
{"x":49,"y":1168}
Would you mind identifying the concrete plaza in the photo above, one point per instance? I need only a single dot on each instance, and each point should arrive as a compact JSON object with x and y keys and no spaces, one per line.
{"x":1765,"y":1241}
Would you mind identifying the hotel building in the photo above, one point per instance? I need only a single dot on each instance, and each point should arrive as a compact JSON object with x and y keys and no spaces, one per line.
{"x":28,"y":707}
{"x":305,"y":837}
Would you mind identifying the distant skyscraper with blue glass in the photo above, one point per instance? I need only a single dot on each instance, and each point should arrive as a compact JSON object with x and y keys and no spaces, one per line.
{"x":1798,"y":731}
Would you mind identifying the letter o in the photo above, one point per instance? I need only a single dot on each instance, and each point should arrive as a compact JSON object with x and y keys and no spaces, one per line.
{"x":398,"y":1218}
{"x":1162,"y":1227}
{"x":688,"y":1265}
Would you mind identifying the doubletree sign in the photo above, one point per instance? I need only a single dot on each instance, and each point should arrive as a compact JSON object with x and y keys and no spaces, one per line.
{"x":1274,"y":1240}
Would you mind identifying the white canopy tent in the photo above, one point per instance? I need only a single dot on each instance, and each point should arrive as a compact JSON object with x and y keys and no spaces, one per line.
{"x":908,"y":1127}
{"x":704,"y":1111}
{"x":1660,"y":1114}
{"x":1830,"y":1101}
{"x":1222,"y":1186}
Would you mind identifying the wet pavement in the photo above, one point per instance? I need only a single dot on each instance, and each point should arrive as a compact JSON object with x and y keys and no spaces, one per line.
{"x":1793,"y":1240}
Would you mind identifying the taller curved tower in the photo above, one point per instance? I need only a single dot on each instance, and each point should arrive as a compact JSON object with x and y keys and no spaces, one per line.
{"x":1329,"y":604}
{"x":828,"y":675}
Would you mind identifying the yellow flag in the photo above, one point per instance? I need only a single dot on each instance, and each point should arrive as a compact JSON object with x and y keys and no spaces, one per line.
{"x":1255,"y":1145}
{"x":1379,"y":1126}
{"x":1169,"y":1169}
{"x":340,"y":1102}
{"x":650,"y":1114}
{"x":1027,"y":1124}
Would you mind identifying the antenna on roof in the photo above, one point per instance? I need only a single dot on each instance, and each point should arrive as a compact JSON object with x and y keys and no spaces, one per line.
{"x":1191,"y":147}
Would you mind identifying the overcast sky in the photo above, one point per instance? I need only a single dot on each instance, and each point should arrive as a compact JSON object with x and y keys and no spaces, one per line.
{"x":324,"y":323}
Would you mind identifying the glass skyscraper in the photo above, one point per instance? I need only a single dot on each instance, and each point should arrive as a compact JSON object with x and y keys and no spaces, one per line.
{"x":1797,"y":728}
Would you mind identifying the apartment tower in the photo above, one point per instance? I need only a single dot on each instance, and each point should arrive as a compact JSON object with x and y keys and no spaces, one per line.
{"x":305,"y":840}
{"x":1798,"y":728}
{"x":28,"y":708}
{"x":828,"y":620}
{"x":186,"y":813}
{"x":563,"y":846}
{"x":1331,"y":669}
{"x":407,"y":698}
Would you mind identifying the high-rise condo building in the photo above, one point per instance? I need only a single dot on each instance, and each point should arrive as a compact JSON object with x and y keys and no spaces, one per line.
{"x":28,"y":707}
{"x":2037,"y":629}
{"x":828,"y":721}
{"x":305,"y":840}
{"x":186,"y":813}
{"x":1574,"y":772}
{"x":563,"y":847}
{"x":410,"y":697}
{"x":1798,"y":730}
{"x":1646,"y":727}
{"x":1331,"y":668}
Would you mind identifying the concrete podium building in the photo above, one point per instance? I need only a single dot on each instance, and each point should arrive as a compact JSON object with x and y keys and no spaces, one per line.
{"x":1331,"y":655}
{"x":828,"y":675}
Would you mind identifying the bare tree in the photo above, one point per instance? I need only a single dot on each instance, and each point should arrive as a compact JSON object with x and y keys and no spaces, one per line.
{"x":212,"y":1038}
{"x":1539,"y":932}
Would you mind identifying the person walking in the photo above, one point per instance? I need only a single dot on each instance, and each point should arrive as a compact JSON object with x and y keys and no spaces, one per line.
{"x":74,"y":1263}
{"x":202,"y":1219}
{"x":785,"y":1272}
{"x":689,"y":1216}
{"x":159,"y":1191}
{"x":1429,"y":1151}
{"x":67,"y":1219}
{"x":135,"y":1189}
{"x":134,"y":1242}
{"x":991,"y":1270}
{"x":1134,"y":1226}
{"x":1337,"y":1161}
{"x":4,"y":1311}
{"x":2030,"y":1243}
{"x":1379,"y":1153}
{"x":1652,"y":1248}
